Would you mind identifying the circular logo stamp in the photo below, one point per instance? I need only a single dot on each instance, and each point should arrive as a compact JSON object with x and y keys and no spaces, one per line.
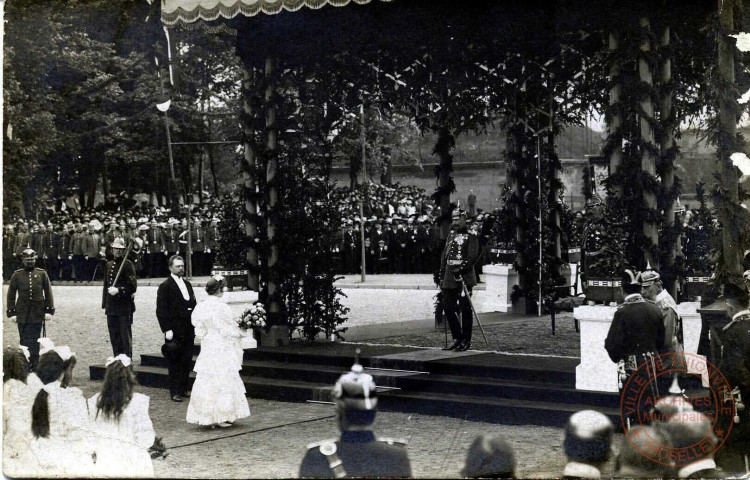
{"x":680,"y":429}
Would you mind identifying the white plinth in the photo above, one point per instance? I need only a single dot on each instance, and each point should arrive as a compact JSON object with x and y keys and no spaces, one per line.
{"x":596,"y":371}
{"x":499,"y":281}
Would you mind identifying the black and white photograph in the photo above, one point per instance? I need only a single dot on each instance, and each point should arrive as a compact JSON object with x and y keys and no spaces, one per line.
{"x":376,"y":239}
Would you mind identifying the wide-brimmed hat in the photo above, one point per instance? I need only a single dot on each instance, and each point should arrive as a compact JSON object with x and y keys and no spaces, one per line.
{"x":170,"y":350}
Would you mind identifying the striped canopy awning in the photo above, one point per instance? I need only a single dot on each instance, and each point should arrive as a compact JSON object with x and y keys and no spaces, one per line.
{"x":175,"y":12}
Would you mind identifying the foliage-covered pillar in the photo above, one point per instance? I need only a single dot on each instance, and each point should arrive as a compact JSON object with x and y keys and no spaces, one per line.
{"x":274,"y":309}
{"x":446,"y":186}
{"x":614,"y":122}
{"x":727,"y":141}
{"x":249,"y":172}
{"x":648,"y":158}
{"x":515,"y":151}
{"x":668,"y":154}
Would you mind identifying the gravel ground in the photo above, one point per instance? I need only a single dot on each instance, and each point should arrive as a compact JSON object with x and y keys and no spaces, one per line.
{"x":254,"y":448}
{"x":529,"y":335}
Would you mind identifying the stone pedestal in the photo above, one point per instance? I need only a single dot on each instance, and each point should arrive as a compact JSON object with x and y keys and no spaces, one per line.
{"x":239,"y":301}
{"x":596,"y":371}
{"x":499,"y":281}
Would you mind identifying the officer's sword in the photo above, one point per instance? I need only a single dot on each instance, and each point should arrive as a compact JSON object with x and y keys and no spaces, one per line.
{"x":471,"y":304}
{"x":122,"y":264}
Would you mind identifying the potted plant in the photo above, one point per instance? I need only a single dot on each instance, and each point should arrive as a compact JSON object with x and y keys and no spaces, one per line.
{"x":231,"y":244}
{"x":604,"y":260}
{"x":700,"y":229}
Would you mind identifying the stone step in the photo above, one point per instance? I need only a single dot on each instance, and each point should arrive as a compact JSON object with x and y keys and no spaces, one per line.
{"x":422,"y":382}
{"x":465,"y":406}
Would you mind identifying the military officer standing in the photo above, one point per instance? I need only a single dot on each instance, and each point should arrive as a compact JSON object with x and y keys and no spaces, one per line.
{"x":50,"y":250}
{"x":734,"y":363}
{"x":9,"y":240}
{"x":457,"y":268}
{"x":156,"y":250}
{"x":23,"y":242}
{"x":117,"y":299}
{"x":358,"y":453}
{"x":30,"y":301}
{"x":636,"y":335}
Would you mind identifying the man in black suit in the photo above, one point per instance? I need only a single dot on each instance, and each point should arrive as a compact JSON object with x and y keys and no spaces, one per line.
{"x":175,"y":302}
{"x":117,"y":299}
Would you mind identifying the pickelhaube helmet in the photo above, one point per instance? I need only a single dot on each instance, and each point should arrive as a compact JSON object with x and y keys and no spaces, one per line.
{"x":118,"y":243}
{"x":356,"y":390}
{"x":648,"y":276}
{"x":29,"y":253}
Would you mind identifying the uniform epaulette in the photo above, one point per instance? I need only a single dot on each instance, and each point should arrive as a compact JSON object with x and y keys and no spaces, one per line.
{"x":737,"y":318}
{"x":318,"y":444}
{"x":393,"y":441}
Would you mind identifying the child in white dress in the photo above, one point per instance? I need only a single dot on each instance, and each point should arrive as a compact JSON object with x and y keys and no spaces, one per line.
{"x":218,"y":396}
{"x":121,"y":424}
{"x":59,"y":421}
{"x":19,"y":390}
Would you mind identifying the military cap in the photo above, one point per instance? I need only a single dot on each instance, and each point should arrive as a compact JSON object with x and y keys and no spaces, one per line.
{"x":29,"y":253}
{"x":144,"y":227}
{"x":118,"y":243}
{"x":356,"y":390}
{"x":630,"y":278}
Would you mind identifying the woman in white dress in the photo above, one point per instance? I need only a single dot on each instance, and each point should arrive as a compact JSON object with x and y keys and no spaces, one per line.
{"x":121,"y":424}
{"x":19,"y":390}
{"x":218,"y":396}
{"x":59,"y":421}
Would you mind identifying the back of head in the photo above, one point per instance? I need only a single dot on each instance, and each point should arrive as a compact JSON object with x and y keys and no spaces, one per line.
{"x":15,"y":365}
{"x":356,"y":399}
{"x":50,"y":367}
{"x":640,"y":453}
{"x":588,"y":437}
{"x":490,"y":457}
{"x":630,"y":284}
{"x":117,"y":390}
{"x":215,"y":284}
{"x":690,"y":428}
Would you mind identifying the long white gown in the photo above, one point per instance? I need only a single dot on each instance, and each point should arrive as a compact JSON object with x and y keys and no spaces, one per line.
{"x":122,"y":446}
{"x":218,"y":392}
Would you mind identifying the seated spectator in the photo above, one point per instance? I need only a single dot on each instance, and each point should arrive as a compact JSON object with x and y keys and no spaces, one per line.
{"x":639,"y":453}
{"x":358,"y":453}
{"x":689,"y":429}
{"x":59,"y":421}
{"x":19,"y":390}
{"x":490,"y":457}
{"x":587,"y":444}
{"x":122,"y":427}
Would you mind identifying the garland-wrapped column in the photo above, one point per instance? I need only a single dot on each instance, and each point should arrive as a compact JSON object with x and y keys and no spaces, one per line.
{"x":728,"y":114}
{"x":272,"y":195}
{"x":446,"y":186}
{"x":648,"y":159}
{"x":248,"y":176}
{"x":515,"y":148}
{"x":668,"y":149}
{"x":614,"y":123}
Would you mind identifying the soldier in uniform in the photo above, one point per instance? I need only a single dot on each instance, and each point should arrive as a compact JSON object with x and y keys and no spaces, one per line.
{"x":76,"y":249}
{"x":348,"y":246}
{"x":117,"y":299}
{"x":212,"y":239}
{"x":358,"y":453}
{"x":24,"y":241}
{"x":92,"y":244}
{"x":198,"y":244}
{"x":636,"y":335}
{"x":66,"y":254}
{"x":50,"y":249}
{"x":30,"y":301}
{"x":9,"y":240}
{"x":734,"y":363}
{"x":653,"y":291}
{"x":457,"y":267}
{"x":156,"y":251}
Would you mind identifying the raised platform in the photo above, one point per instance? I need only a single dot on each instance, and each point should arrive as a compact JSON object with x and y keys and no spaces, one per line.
{"x":474,"y":385}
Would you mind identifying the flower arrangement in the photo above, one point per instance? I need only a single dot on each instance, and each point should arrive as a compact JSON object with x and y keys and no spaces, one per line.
{"x":253,"y":317}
